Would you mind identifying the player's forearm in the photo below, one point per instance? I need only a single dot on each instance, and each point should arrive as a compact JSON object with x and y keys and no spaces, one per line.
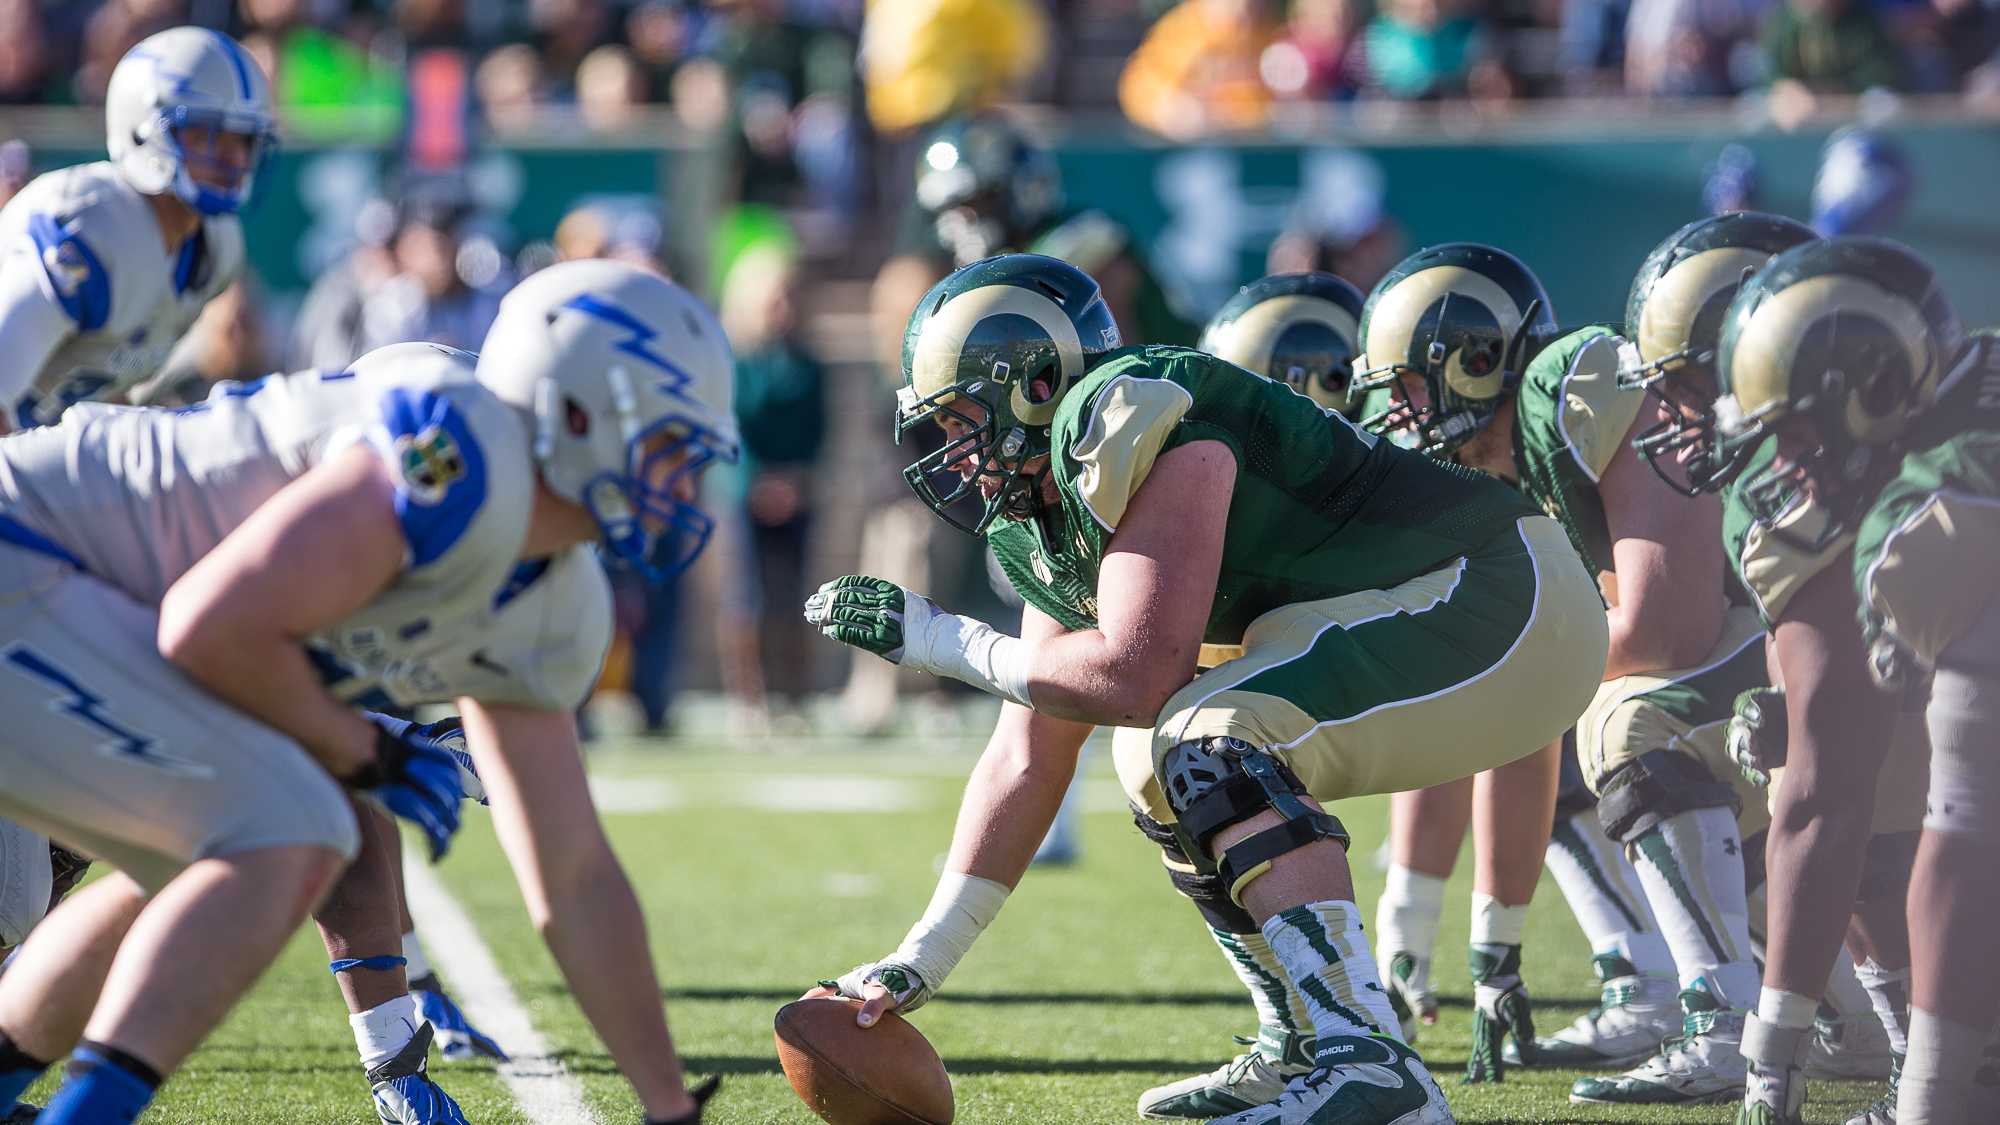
{"x":1010,"y":801}
{"x":1088,"y":677}
{"x":267,"y":676}
{"x":594,"y":928}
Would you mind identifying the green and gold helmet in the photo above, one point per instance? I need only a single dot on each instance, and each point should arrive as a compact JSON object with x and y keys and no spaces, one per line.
{"x":1295,"y":328}
{"x":989,"y":353}
{"x":1463,"y":318}
{"x":1854,"y":336}
{"x":1673,"y":321}
{"x":985,"y":187}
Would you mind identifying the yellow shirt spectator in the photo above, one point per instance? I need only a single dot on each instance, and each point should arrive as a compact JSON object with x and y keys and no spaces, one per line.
{"x":1197,"y":69}
{"x":923,"y":60}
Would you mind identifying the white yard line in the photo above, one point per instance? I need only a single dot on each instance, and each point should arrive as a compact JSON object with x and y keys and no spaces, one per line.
{"x":544,"y":1089}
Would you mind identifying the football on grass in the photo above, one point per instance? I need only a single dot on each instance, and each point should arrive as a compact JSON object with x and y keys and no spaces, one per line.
{"x":850,"y":1075}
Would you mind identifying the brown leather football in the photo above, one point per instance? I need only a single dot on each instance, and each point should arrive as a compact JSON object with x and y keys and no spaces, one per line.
{"x":882,"y":1075}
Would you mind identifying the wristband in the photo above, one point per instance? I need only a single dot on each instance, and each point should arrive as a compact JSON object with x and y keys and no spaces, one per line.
{"x":961,"y":908}
{"x":966,"y":649}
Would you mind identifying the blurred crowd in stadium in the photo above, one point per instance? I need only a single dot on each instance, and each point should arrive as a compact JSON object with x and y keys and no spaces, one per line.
{"x":824,"y":107}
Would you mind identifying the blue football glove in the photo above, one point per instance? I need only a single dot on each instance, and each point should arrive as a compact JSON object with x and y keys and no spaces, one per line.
{"x":414,"y":778}
{"x":449,"y":732}
{"x":456,"y":1037}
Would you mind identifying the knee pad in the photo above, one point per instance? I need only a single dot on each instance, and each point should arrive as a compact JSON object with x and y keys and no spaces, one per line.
{"x":1885,"y":868}
{"x":1654,"y":786}
{"x":1215,"y":782}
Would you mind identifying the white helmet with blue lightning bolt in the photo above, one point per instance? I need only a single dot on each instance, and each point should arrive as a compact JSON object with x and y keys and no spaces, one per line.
{"x":170,"y":100}
{"x":630,"y":386}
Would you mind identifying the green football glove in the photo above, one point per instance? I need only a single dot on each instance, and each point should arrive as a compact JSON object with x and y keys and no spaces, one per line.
{"x":1499,"y":1009}
{"x":868,"y":613}
{"x":1757,"y":733}
{"x":905,"y":987}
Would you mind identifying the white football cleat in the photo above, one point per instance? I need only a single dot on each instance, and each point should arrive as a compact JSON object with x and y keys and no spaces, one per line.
{"x":1703,"y":1065}
{"x":1634,"y":1015}
{"x":1853,"y":1048}
{"x":1362,"y":1080}
{"x":1249,"y":1080}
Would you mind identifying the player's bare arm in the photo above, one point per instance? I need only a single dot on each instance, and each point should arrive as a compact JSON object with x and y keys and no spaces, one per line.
{"x":236,"y":621}
{"x":1154,"y":595}
{"x":1838,"y":726}
{"x":576,"y":893}
{"x":1670,"y":598}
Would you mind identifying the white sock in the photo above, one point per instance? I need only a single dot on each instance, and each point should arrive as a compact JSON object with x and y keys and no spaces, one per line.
{"x":1408,"y":914}
{"x":1691,"y":865}
{"x":1279,"y":1005}
{"x":1494,"y":923}
{"x":1938,"y":1074}
{"x":1325,"y":953}
{"x":1889,"y":993}
{"x":383,"y":1030}
{"x":1604,"y":893}
{"x":1844,"y":991}
{"x":419,"y":966}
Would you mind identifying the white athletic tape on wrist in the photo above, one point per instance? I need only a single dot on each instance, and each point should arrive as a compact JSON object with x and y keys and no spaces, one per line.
{"x":960,"y":910}
{"x":968,"y":650}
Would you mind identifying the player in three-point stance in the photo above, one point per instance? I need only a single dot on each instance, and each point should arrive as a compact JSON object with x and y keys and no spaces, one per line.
{"x":191,"y":595}
{"x":1396,"y":616}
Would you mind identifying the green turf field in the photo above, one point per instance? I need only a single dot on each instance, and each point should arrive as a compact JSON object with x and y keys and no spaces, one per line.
{"x":1096,"y":982}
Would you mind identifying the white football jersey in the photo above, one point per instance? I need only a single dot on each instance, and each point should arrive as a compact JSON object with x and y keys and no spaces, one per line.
{"x":95,"y":247}
{"x":136,"y":495}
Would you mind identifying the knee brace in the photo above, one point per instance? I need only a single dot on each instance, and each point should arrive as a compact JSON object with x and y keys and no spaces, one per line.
{"x":1885,"y":868}
{"x":1205,"y":889}
{"x":1215,"y":782}
{"x":1654,"y":786}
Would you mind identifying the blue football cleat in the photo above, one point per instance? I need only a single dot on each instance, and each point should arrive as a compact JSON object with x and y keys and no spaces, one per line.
{"x":404,"y":1092}
{"x":457,"y":1039}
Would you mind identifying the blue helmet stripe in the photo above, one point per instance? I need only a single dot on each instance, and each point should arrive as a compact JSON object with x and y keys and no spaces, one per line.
{"x":234,"y":52}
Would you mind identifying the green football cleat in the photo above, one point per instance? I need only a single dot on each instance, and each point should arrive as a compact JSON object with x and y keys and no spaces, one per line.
{"x":1703,"y":1065}
{"x":1249,"y":1080}
{"x":1360,"y":1080}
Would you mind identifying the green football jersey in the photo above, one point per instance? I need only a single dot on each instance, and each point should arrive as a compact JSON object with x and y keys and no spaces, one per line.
{"x":1924,"y":555}
{"x":1320,"y":507}
{"x":1570,"y":418}
{"x":1774,"y":567}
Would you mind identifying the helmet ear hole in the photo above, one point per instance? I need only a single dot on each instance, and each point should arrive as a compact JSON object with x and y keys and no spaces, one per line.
{"x":577,"y":419}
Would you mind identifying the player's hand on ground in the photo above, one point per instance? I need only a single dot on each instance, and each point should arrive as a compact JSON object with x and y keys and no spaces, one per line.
{"x":880,"y":986}
{"x":415,"y":778}
{"x":1757,"y":733}
{"x":873,"y":614}
{"x":1500,"y":1008}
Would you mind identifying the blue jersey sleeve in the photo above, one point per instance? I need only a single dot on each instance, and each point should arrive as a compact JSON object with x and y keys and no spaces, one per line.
{"x":74,"y":272}
{"x":439,"y":469}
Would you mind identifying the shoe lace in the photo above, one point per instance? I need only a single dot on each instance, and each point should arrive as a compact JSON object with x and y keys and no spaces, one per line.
{"x":1234,"y":1070}
{"x":1614,"y":995}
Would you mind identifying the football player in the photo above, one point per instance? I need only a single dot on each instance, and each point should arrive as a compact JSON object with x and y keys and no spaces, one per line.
{"x":107,"y":265}
{"x":1825,"y":356}
{"x":199,"y":593}
{"x":1473,"y":305}
{"x":1296,"y":328}
{"x":1651,"y":743}
{"x":1401,"y":623}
